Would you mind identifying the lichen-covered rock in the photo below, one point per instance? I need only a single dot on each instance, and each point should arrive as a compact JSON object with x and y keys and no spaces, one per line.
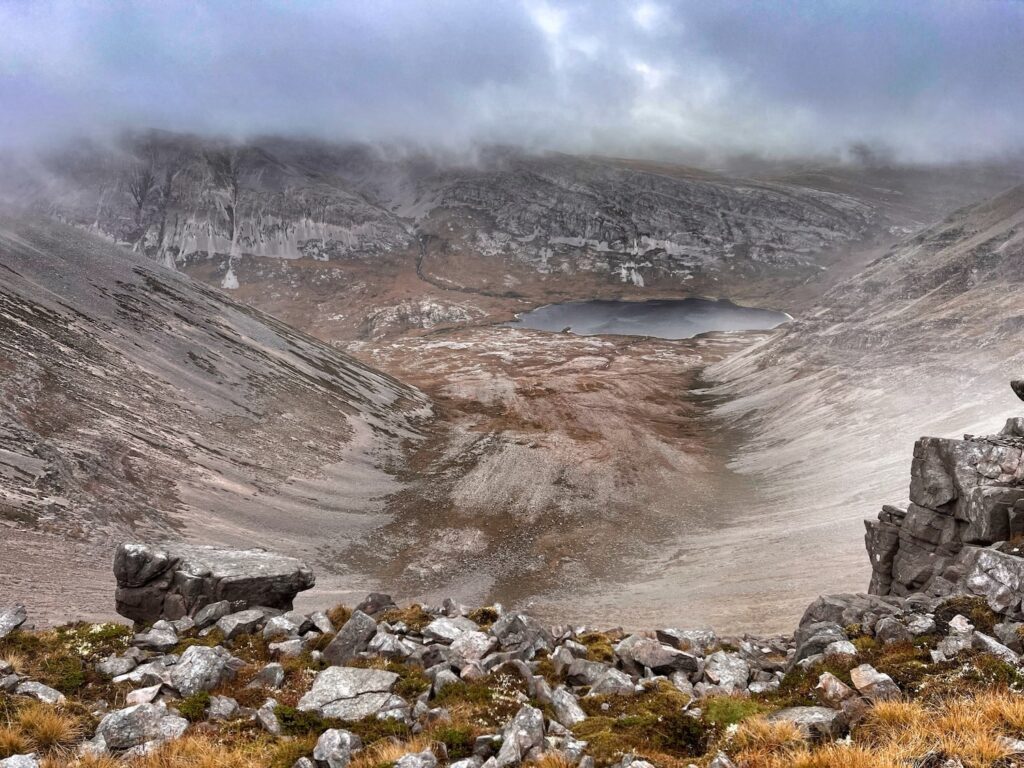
{"x":241,"y":623}
{"x":522,"y":738}
{"x":203,"y":669}
{"x":40,"y":692}
{"x":349,"y":693}
{"x":138,"y":725}
{"x":352,"y":638}
{"x":727,"y":670}
{"x":11,"y":618}
{"x":334,"y":748}
{"x":178,"y":580}
{"x":568,"y":711}
{"x":20,"y":761}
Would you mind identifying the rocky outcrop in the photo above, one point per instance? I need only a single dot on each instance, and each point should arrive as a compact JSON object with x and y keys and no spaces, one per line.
{"x":966,"y":503}
{"x":179,"y":580}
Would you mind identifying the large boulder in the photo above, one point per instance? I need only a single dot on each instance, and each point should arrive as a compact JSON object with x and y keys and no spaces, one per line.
{"x":179,"y":580}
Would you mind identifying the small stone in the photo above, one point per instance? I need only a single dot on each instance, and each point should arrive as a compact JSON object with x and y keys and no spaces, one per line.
{"x":222,"y":708}
{"x":612,"y":682}
{"x":40,"y":692}
{"x":20,"y":761}
{"x":143,"y":695}
{"x":267,"y":718}
{"x":279,"y":628}
{"x":876,"y":685}
{"x":446,"y":630}
{"x":322,"y":622}
{"x":728,"y":671}
{"x":351,"y":639}
{"x":334,"y":748}
{"x":990,"y":645}
{"x":210,"y":614}
{"x":11,"y":618}
{"x":840,"y":648}
{"x":567,"y":709}
{"x":890,"y":630}
{"x":814,"y":723}
{"x":203,"y":669}
{"x":417,"y":760}
{"x":241,"y":623}
{"x":135,"y":726}
{"x":349,"y":693}
{"x":831,"y":690}
{"x":113,"y":666}
{"x":162,"y":640}
{"x":271,"y":676}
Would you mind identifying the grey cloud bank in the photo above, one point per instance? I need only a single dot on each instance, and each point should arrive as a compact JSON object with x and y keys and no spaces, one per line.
{"x":929,"y":80}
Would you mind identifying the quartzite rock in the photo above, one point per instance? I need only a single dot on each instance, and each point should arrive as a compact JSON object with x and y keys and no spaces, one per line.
{"x":11,"y":618}
{"x":349,"y":693}
{"x":351,"y":639}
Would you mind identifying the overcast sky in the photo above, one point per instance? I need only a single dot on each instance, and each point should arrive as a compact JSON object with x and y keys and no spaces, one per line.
{"x":932,"y":79}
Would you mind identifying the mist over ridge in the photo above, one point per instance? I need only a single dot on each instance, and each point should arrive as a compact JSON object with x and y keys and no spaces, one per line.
{"x":687,"y":82}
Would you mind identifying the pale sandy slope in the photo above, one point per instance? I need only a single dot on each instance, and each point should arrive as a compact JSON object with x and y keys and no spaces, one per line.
{"x":923,"y":341}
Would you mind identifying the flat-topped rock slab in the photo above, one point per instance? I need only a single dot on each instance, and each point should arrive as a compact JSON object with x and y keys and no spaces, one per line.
{"x":175,"y":580}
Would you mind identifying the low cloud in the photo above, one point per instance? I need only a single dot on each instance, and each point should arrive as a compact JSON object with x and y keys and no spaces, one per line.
{"x":922,"y":80}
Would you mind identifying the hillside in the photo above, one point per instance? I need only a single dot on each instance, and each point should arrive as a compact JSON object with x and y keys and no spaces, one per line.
{"x":135,"y":399}
{"x":922,"y":340}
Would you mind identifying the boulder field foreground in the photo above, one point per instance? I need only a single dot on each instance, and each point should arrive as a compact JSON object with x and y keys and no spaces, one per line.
{"x":924,"y":670}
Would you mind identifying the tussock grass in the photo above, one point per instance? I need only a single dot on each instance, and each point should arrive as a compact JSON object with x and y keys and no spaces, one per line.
{"x":896,"y":734}
{"x":387,"y":752}
{"x":13,"y":742}
{"x":47,"y":728}
{"x":761,"y":736}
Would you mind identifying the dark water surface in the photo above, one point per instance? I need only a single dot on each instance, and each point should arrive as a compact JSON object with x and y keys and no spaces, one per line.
{"x":661,"y":318}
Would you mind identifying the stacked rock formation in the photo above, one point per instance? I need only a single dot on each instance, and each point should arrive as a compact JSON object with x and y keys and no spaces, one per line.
{"x":179,"y":580}
{"x":959,"y":533}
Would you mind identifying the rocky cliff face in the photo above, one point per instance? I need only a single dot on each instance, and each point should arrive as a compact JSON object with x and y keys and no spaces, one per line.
{"x":180,"y":199}
{"x":957,"y":535}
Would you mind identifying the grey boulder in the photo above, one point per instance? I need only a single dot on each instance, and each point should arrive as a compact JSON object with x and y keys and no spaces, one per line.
{"x":349,"y":693}
{"x":177,"y":580}
{"x":352,"y":638}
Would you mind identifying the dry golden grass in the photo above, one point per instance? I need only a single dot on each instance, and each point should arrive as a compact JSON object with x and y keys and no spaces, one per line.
{"x":386,"y":752}
{"x":554,"y":760}
{"x":196,"y":751}
{"x":88,"y":761}
{"x":16,"y":660}
{"x":759,"y":736}
{"x":13,"y":742}
{"x":897,"y":733}
{"x":47,"y":728}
